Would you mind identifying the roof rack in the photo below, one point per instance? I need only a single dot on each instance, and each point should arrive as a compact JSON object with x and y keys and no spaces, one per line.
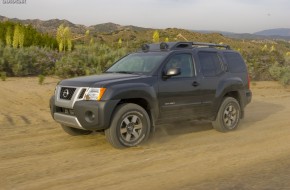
{"x":164,"y":46}
{"x":211,"y":45}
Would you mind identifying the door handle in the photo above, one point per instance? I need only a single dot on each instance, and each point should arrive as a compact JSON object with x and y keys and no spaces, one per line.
{"x":195,"y":84}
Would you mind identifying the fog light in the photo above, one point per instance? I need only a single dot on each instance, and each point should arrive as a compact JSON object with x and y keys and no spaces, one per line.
{"x":89,"y":116}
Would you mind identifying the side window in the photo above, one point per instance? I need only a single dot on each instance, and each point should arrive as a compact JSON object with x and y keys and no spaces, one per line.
{"x":182,"y":61}
{"x":210,"y":63}
{"x":235,"y":62}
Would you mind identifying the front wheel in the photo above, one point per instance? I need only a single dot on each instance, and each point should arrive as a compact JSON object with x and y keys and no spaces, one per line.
{"x":74,"y":131}
{"x":228,"y":116}
{"x":130,"y":126}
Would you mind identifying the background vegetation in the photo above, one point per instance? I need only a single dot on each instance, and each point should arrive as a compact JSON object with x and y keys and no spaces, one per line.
{"x":26,"y":52}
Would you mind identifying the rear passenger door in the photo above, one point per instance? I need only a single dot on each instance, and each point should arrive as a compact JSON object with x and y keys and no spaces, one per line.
{"x":212,"y":70}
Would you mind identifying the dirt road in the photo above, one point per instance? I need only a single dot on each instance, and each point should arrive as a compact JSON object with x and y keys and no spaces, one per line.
{"x":36,"y":154}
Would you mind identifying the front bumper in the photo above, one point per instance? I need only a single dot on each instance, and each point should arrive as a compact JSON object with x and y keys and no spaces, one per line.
{"x":86,"y":115}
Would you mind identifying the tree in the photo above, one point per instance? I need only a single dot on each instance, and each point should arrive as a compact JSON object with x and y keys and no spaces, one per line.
{"x":87,"y":36}
{"x":272,"y":48}
{"x":265,"y":47}
{"x":8,"y":37}
{"x":64,"y":38}
{"x":87,"y":33}
{"x":156,"y":36}
{"x":21,"y":37}
{"x":16,"y":37}
{"x":120,"y":42}
{"x":92,"y":41}
{"x":59,"y":37}
{"x":67,"y":38}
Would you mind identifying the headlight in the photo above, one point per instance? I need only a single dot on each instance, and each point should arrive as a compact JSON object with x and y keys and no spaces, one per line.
{"x":95,"y":93}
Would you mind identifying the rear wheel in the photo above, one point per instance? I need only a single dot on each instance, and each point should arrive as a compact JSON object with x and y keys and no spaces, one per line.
{"x":75,"y":131}
{"x":130,"y":126}
{"x":228,"y":116}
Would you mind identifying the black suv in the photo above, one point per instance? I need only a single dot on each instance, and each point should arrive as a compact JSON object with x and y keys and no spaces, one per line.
{"x":160,"y":83}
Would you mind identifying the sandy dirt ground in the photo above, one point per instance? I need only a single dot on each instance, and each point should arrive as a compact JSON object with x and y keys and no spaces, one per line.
{"x":36,"y":154}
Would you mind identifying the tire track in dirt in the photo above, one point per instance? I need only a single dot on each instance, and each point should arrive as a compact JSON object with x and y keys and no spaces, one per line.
{"x":37,"y":154}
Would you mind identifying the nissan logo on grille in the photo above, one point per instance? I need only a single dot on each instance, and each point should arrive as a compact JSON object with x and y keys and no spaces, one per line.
{"x":66,"y":93}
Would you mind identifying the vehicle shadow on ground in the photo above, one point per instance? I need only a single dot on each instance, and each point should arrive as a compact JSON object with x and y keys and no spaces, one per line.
{"x":183,"y":127}
{"x":167,"y":132}
{"x":256,"y":111}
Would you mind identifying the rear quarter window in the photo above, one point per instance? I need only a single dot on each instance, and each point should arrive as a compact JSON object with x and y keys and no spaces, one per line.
{"x":235,"y":62}
{"x":210,"y":63}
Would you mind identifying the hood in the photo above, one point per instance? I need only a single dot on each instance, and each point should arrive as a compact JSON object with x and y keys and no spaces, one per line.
{"x":97,"y":80}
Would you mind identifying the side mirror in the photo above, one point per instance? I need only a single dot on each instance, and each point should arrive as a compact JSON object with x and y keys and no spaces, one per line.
{"x":172,"y":72}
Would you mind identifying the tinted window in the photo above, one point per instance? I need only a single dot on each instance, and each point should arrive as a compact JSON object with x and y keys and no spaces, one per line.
{"x":182,"y":61}
{"x":235,"y":62}
{"x":210,"y":63}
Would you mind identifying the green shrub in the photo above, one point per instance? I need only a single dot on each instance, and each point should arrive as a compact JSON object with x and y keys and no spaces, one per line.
{"x":30,"y":61}
{"x":3,"y":76}
{"x":285,"y":77}
{"x":260,"y":62}
{"x":41,"y":79}
{"x":280,"y":73}
{"x":276,"y":71}
{"x":87,"y":60}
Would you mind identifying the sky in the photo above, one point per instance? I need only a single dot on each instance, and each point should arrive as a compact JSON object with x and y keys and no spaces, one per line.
{"x":239,"y":16}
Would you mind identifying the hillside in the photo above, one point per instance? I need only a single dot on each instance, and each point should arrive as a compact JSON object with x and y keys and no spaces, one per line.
{"x":50,"y":26}
{"x":275,"y":32}
{"x":112,"y":27}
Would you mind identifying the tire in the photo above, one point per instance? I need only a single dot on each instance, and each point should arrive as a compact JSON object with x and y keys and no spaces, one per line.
{"x":130,"y":126}
{"x":74,"y":131}
{"x":228,"y":116}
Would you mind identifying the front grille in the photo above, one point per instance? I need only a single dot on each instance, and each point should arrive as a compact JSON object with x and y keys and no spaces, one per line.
{"x":66,"y":93}
{"x":81,"y":95}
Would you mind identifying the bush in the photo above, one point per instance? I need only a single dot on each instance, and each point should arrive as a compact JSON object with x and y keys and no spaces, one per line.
{"x":276,"y":71}
{"x":30,"y":61}
{"x":87,"y":60}
{"x":285,"y":80}
{"x":3,"y":76}
{"x":34,"y":61}
{"x":260,"y":62}
{"x":41,"y":79}
{"x":280,"y":73}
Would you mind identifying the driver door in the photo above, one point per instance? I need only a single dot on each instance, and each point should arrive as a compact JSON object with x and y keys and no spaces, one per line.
{"x":179,"y":96}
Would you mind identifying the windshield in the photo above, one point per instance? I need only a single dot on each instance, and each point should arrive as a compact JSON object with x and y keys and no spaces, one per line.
{"x":138,"y":63}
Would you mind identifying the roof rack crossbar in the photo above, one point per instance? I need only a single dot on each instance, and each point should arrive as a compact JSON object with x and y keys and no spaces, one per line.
{"x":210,"y":45}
